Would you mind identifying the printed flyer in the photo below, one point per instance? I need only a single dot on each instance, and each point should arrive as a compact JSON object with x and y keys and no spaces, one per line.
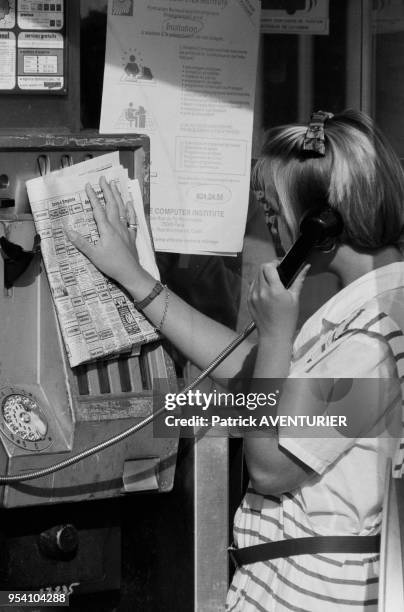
{"x":184,"y":73}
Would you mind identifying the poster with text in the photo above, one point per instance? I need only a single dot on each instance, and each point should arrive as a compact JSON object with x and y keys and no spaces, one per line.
{"x":183,"y":72}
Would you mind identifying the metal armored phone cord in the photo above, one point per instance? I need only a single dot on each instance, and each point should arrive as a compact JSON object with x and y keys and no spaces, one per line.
{"x":131,"y":430}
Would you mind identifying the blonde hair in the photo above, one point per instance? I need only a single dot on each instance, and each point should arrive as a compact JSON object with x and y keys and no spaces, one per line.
{"x":360,"y":176}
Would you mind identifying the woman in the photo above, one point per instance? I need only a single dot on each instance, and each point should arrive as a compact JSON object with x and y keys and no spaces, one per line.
{"x":303,"y":486}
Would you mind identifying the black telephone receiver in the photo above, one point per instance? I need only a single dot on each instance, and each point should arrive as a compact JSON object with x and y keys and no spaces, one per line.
{"x":318,"y":228}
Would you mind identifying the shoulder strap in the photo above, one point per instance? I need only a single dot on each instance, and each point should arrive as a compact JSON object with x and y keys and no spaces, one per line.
{"x":371,"y":320}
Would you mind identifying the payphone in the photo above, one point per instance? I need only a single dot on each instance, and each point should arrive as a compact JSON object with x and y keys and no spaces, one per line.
{"x":47,"y":409}
{"x":50,"y":412}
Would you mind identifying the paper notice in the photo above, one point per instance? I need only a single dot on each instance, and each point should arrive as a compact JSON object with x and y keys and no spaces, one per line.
{"x":34,"y":15}
{"x":184,"y":73}
{"x":40,"y":60}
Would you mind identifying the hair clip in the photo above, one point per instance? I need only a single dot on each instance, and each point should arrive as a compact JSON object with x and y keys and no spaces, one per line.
{"x":314,"y":141}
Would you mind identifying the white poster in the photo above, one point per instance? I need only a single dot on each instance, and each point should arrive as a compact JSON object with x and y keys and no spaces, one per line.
{"x":183,"y":72}
{"x":295,"y":17}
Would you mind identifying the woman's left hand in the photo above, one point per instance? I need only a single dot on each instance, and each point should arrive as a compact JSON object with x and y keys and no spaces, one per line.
{"x":274,"y":308}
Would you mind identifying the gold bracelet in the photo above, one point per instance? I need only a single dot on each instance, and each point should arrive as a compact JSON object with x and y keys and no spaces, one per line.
{"x":166,"y":300}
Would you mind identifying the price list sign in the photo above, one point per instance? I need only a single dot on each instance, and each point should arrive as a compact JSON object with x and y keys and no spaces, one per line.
{"x":32,"y":46}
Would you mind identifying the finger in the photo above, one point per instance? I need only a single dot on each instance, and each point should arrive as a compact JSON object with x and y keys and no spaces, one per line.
{"x":130,"y":205}
{"x":270,"y":275}
{"x":119,"y":201}
{"x":297,"y":284}
{"x":132,"y":220}
{"x":78,"y":241}
{"x":111,"y":206}
{"x":98,"y":210}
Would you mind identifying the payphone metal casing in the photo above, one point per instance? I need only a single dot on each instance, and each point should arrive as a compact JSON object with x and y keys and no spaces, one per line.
{"x":85,"y":405}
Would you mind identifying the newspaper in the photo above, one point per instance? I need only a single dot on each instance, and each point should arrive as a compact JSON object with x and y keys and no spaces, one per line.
{"x":97,"y":318}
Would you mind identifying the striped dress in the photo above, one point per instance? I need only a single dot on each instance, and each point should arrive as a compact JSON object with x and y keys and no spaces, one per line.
{"x":356,"y":334}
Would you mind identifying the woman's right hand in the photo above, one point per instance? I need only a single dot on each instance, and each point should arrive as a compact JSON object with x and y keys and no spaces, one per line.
{"x":273,"y":307}
{"x":115,"y":252}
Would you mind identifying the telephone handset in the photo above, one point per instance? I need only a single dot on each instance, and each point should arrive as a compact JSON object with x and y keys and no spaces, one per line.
{"x":318,"y":228}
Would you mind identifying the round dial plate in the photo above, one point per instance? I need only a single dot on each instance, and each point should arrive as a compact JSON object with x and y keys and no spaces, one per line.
{"x":22,"y":420}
